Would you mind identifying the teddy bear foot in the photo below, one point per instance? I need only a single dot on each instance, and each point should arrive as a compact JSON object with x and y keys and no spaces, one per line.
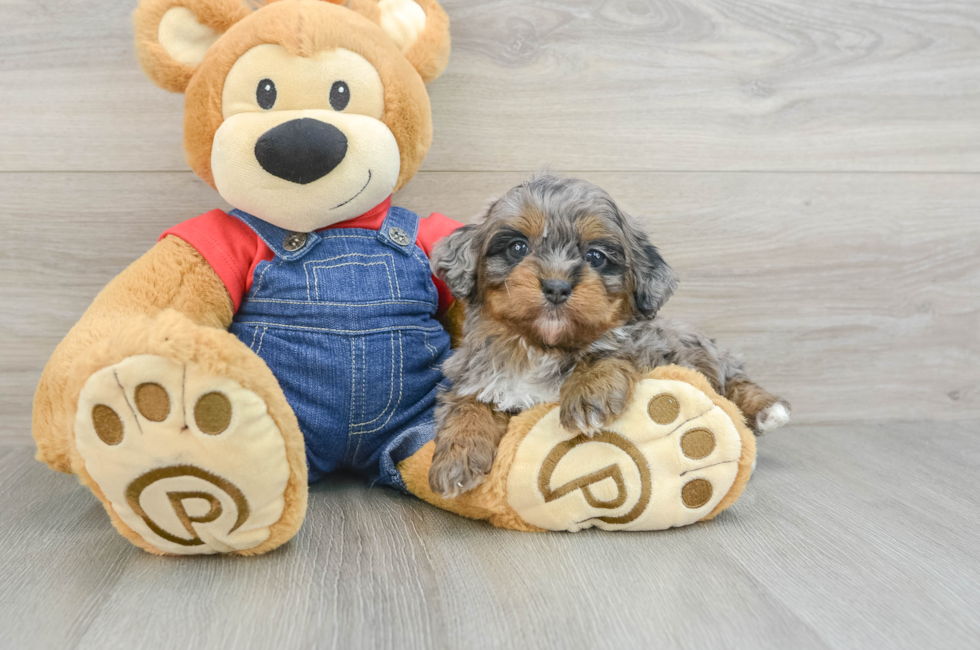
{"x":185,"y":463}
{"x":679,"y":454}
{"x":668,"y":461}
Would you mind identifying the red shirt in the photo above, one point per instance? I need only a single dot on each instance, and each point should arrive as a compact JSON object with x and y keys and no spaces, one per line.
{"x":234,"y":250}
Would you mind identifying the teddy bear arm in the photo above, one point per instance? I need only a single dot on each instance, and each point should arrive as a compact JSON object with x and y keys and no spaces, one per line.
{"x":171,"y":275}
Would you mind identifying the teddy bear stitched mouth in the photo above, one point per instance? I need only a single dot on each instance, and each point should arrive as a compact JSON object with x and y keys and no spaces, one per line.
{"x":366,"y":183}
{"x":301,"y":150}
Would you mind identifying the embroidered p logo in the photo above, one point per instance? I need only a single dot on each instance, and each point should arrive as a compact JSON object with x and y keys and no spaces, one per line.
{"x":585,"y":483}
{"x":176,"y":512}
{"x":667,"y":461}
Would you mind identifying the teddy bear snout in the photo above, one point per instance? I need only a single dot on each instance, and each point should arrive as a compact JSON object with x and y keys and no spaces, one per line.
{"x":301,"y":150}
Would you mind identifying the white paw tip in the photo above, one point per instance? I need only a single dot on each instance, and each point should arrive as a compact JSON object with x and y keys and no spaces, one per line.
{"x":773,"y":417}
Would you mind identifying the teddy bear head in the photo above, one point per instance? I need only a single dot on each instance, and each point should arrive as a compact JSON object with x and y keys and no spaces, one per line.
{"x":303,"y":113}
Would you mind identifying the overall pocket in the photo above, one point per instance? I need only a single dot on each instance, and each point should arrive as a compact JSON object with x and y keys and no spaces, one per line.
{"x":377,"y":381}
{"x":353,"y":278}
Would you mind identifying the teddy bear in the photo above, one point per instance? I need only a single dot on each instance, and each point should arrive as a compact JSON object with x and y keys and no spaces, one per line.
{"x":249,"y":353}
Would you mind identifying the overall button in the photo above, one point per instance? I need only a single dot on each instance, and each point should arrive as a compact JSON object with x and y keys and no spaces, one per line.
{"x":398,"y":236}
{"x":294,"y":241}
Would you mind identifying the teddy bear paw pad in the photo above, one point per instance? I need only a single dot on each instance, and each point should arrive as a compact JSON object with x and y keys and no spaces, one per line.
{"x":668,"y":461}
{"x":192,"y":463}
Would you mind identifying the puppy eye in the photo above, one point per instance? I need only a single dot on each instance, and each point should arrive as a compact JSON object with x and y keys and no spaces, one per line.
{"x":265,"y":94}
{"x":595,"y":258}
{"x":339,"y":95}
{"x":517,"y":249}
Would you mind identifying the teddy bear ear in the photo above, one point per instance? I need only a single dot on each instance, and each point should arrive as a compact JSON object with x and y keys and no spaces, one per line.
{"x":420,"y":29}
{"x":172,"y":36}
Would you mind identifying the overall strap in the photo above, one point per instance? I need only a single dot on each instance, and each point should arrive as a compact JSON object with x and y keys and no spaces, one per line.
{"x":286,"y":244}
{"x":399,"y":230}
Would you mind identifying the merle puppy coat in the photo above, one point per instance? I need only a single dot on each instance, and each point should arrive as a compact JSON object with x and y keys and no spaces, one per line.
{"x":562,"y":290}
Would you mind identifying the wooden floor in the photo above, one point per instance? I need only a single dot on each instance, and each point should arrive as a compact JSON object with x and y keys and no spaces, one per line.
{"x":857,"y":536}
{"x":811,"y":169}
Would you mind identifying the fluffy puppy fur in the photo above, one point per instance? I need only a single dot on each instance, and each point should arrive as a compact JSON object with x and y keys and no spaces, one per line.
{"x":562,"y":290}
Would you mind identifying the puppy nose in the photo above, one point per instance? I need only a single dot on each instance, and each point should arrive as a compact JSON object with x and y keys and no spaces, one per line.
{"x":556,"y":291}
{"x":301,"y":150}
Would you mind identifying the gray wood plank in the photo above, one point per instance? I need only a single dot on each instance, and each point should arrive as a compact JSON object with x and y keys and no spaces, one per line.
{"x":581,"y":84}
{"x":902,"y":494}
{"x":856,"y":536}
{"x":855,"y":296}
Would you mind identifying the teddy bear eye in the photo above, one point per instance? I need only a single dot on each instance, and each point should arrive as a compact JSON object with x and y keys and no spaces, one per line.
{"x":339,"y":95}
{"x":265,"y":94}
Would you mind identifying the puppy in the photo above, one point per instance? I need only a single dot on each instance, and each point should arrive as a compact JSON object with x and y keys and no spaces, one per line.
{"x":561,"y":290}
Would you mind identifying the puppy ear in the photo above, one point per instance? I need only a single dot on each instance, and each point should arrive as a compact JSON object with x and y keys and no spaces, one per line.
{"x":454,"y":262}
{"x":172,"y":36}
{"x":420,"y":29}
{"x":654,"y":281}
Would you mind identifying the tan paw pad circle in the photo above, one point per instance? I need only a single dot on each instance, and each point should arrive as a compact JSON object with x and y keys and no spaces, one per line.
{"x":697,"y":443}
{"x":664,"y":408}
{"x":147,"y":429}
{"x":213,"y":413}
{"x":108,"y":426}
{"x":696,"y":493}
{"x":152,"y":401}
{"x":668,"y":461}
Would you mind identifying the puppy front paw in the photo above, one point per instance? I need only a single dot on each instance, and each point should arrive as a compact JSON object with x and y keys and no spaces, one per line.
{"x":460,"y":465}
{"x":596,"y":395}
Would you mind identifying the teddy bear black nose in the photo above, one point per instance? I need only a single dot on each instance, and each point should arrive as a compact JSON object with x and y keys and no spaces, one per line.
{"x":302,"y":150}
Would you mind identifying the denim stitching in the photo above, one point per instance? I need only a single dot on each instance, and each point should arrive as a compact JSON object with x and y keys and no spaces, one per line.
{"x":340,"y":257}
{"x":352,"y":435}
{"x":335,"y":331}
{"x":398,"y":287}
{"x":313,"y":264}
{"x":388,"y":263}
{"x":401,"y":384}
{"x":391,"y":289}
{"x":391,"y":394}
{"x":353,"y":377}
{"x":425,"y":261}
{"x":430,"y":287}
{"x":376,"y":303}
{"x":435,"y":352}
{"x":258,"y":286}
{"x":391,"y":385}
{"x":363,"y":386}
{"x":255,"y":332}
{"x":349,"y":453}
{"x":306,"y":272}
{"x":325,"y":237}
{"x":261,"y":338}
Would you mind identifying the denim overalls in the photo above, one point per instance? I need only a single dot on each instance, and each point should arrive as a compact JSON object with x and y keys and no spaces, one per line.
{"x":345,"y":318}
